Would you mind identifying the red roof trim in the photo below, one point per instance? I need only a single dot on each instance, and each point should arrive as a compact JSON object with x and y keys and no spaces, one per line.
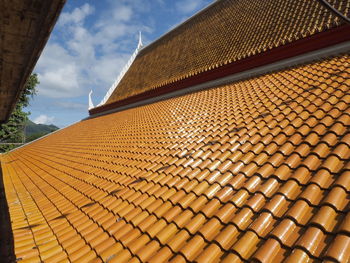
{"x":317,"y":41}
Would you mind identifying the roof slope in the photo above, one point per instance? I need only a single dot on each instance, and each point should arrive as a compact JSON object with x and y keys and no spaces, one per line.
{"x":226,"y":32}
{"x":258,"y":169}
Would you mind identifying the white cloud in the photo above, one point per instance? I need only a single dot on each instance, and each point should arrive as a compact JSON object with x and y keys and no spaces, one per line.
{"x":71,"y":105}
{"x":188,"y":6}
{"x":88,"y":48}
{"x":105,"y":67}
{"x":85,"y":57}
{"x":77,"y":15}
{"x":122,"y":13}
{"x":43,"y":119}
{"x":58,"y":74}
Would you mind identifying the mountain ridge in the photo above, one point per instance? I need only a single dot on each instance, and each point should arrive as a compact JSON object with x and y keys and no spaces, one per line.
{"x":34,"y":131}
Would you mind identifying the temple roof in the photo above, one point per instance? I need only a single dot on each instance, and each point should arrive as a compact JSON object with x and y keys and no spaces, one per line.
{"x":224,"y":33}
{"x":254,"y":170}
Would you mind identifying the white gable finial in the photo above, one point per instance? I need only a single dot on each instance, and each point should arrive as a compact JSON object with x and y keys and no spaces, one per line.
{"x":91,"y":105}
{"x":123,"y":72}
{"x":140,"y":45}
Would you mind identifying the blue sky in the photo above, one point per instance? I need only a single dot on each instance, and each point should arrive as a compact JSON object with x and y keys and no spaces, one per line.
{"x":90,"y":44}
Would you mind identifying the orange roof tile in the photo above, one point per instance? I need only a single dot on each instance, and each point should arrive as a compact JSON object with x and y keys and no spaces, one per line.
{"x":226,"y":32}
{"x":255,"y":170}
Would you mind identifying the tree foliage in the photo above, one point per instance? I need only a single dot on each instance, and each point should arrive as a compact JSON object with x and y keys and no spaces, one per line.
{"x":13,"y":130}
{"x":35,"y":136}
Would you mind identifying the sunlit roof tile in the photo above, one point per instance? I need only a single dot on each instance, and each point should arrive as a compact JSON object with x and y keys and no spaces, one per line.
{"x":254,"y":170}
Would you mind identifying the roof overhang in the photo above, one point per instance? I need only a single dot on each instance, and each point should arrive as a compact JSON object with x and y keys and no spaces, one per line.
{"x":24,"y":30}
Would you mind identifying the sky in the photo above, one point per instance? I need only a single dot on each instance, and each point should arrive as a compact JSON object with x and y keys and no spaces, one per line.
{"x":88,"y":47}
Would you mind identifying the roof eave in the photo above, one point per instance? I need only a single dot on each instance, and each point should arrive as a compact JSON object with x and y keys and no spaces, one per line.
{"x":49,"y":16}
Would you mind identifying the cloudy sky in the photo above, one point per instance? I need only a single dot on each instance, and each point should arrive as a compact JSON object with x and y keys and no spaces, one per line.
{"x":88,"y":47}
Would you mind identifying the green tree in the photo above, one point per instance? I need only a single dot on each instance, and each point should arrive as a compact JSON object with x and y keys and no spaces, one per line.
{"x":35,"y":136}
{"x":13,"y":130}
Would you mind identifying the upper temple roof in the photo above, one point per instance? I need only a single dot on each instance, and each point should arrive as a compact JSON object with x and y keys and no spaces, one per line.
{"x":225,"y":32}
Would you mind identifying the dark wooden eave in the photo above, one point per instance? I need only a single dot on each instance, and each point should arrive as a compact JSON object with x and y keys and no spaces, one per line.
{"x":25,"y":26}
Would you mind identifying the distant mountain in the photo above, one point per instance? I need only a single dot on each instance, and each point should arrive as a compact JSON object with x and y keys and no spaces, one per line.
{"x":34,"y":131}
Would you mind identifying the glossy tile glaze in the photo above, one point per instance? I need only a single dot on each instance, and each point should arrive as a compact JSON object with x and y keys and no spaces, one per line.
{"x":256,"y":170}
{"x":228,"y":31}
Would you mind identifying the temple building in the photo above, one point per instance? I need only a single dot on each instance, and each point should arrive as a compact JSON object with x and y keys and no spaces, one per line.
{"x":225,"y":140}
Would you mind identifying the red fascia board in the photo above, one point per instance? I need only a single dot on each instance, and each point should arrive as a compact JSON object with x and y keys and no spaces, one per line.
{"x":317,"y":41}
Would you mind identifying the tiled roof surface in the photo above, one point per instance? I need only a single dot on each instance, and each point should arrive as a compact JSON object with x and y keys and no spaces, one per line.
{"x":258,"y":169}
{"x":228,"y":31}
